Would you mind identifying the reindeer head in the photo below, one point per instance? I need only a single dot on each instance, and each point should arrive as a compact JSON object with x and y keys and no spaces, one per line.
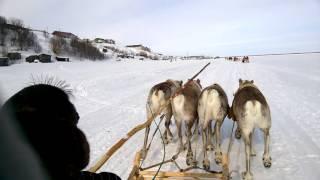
{"x":245,"y":83}
{"x":176,"y":83}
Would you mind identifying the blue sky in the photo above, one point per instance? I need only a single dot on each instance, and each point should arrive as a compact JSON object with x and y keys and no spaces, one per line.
{"x":182,"y":27}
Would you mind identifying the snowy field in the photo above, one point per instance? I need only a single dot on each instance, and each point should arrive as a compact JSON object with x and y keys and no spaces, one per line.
{"x":110,"y":97}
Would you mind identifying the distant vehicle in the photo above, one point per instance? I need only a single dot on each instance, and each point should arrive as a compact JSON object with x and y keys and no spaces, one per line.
{"x":141,"y":59}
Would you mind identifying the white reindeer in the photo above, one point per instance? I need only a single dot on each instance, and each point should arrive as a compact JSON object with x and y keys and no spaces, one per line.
{"x":213,"y":106}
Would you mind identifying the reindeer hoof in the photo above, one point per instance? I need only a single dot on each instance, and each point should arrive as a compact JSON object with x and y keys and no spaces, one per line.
{"x":218,"y":157}
{"x":253,"y":153}
{"x":237,"y":134}
{"x":189,"y":161}
{"x":165,"y":140}
{"x":190,"y":154}
{"x":247,"y":176}
{"x":189,"y":158}
{"x":206,"y":164}
{"x":210,"y":147}
{"x":267,"y":161}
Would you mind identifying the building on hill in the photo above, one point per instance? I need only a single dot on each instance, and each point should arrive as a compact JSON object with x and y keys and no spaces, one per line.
{"x":45,"y":58}
{"x":139,"y":47}
{"x":65,"y":35}
{"x":4,"y":61}
{"x":108,"y":41}
{"x":14,"y":55}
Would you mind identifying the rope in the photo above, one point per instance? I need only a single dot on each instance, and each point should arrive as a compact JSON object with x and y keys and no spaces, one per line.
{"x":153,"y":135}
{"x":164,"y":146}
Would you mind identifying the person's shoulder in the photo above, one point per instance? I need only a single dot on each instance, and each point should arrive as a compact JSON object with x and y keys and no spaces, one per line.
{"x":85,"y":175}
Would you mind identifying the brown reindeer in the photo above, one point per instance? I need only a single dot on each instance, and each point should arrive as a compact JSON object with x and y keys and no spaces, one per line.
{"x":158,"y":99}
{"x":250,"y":109}
{"x":184,"y":108}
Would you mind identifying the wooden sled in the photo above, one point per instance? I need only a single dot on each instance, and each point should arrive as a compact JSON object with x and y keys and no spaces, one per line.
{"x":145,"y":174}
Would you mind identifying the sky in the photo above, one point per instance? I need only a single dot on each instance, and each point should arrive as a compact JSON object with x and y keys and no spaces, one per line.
{"x":181,"y":27}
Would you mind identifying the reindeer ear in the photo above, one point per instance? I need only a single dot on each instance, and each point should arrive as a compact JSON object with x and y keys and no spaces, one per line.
{"x":240,"y":81}
{"x":252,"y":81}
{"x":198,"y":81}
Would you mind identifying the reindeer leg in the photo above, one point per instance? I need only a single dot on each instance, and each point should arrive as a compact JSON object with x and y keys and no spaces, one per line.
{"x":267,"y":161}
{"x":189,"y":153}
{"x":247,"y":175}
{"x":144,"y":149}
{"x":218,"y":153}
{"x":168,"y":122}
{"x":253,"y":152}
{"x":210,"y":146}
{"x":178,"y":123}
{"x":237,"y":134}
{"x":167,"y":131}
{"x":206,"y":161}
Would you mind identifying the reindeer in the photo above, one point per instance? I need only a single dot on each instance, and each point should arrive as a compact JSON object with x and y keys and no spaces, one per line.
{"x":159,"y":96}
{"x":184,"y":107}
{"x":213,"y":106}
{"x":245,"y":59}
{"x":250,"y":109}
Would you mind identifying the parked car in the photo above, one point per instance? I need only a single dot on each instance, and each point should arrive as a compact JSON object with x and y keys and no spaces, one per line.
{"x":4,"y":61}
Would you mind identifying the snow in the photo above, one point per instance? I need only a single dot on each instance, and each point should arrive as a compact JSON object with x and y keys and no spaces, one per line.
{"x":110,"y":97}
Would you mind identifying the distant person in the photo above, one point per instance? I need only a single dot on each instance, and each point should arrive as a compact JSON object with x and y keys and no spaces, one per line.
{"x":49,"y":122}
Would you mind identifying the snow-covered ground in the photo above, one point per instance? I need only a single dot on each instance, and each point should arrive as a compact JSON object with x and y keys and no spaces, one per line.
{"x":110,"y":97}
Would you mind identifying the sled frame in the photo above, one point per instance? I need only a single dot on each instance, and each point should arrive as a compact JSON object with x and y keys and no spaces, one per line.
{"x":146,"y":174}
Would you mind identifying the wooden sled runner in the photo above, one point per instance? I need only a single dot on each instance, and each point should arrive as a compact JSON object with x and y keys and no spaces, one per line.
{"x":142,"y":173}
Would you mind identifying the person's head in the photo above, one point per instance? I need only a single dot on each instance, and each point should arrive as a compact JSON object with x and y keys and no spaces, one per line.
{"x":49,"y":121}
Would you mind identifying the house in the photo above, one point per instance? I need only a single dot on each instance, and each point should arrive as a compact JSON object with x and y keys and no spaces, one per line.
{"x":65,"y":35}
{"x":108,"y":41}
{"x":31,"y":58}
{"x":14,"y":55}
{"x":4,"y":61}
{"x":139,"y":47}
{"x":45,"y":58}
